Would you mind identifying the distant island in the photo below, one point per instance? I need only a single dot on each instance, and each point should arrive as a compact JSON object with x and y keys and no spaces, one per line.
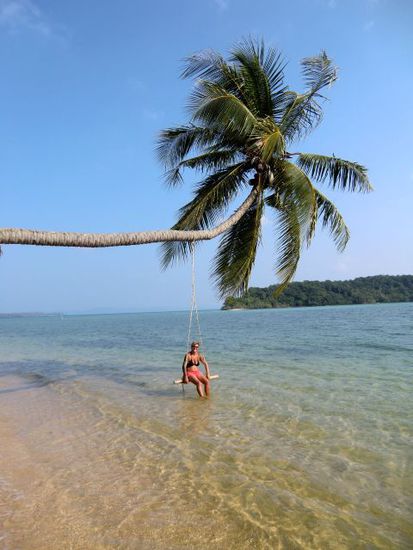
{"x":363,"y":290}
{"x":28,"y":314}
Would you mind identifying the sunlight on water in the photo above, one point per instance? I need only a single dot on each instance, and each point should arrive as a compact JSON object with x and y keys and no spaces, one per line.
{"x":305,"y":443}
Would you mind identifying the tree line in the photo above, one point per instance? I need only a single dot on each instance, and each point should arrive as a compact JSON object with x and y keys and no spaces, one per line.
{"x":362,"y":290}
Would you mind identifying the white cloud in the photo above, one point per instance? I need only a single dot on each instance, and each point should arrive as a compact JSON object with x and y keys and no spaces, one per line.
{"x":19,"y":15}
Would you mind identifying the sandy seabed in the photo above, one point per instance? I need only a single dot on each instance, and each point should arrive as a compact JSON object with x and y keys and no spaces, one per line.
{"x":64,"y":484}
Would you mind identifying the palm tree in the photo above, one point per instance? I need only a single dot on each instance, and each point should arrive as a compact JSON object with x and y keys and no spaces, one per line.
{"x":243,"y":122}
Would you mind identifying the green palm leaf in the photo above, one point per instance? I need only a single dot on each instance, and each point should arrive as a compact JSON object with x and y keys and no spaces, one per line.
{"x":215,"y":107}
{"x":175,"y":143}
{"x":255,"y":75}
{"x":340,"y":173}
{"x":211,"y":67}
{"x":256,"y":67}
{"x":212,"y":197}
{"x":269,"y":140}
{"x":288,"y":240}
{"x":295,"y":191}
{"x":237,"y":251}
{"x":303,"y":113}
{"x":211,"y":160}
{"x":332,"y":218}
{"x":206,"y":64}
{"x":318,"y":72}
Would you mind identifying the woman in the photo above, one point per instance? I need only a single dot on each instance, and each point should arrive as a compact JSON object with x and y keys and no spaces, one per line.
{"x":191,"y":373}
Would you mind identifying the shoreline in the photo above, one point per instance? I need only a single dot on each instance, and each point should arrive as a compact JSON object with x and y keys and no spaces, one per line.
{"x":313,"y":306}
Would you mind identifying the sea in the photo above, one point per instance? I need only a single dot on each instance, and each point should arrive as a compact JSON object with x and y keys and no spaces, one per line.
{"x":305,"y":442}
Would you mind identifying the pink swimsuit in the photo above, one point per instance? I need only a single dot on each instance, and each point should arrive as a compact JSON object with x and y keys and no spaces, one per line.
{"x":195,"y":373}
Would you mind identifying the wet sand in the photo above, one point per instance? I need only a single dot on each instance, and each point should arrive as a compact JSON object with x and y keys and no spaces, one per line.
{"x":64,"y":484}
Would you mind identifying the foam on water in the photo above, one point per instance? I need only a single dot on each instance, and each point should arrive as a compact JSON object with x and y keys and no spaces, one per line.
{"x":305,"y":443}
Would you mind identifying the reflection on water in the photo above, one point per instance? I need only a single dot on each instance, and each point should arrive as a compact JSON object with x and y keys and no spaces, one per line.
{"x":311,"y":448}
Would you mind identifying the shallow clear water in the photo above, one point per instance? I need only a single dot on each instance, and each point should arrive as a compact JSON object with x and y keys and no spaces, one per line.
{"x":306,"y":441}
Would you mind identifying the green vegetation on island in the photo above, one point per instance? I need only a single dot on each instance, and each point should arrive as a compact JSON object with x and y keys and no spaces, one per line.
{"x":363,"y":290}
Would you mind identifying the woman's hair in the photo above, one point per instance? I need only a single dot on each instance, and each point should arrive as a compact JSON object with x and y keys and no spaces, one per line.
{"x":194,"y":344}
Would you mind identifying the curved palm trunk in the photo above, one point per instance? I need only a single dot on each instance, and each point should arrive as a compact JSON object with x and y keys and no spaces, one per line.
{"x":100,"y":240}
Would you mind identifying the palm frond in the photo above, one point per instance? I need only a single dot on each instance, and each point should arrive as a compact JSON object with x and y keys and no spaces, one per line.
{"x":211,"y":160}
{"x":332,"y":218}
{"x":273,"y":144}
{"x":175,"y":143}
{"x":274,"y":67}
{"x":296,"y":191}
{"x":173,"y":176}
{"x":237,"y":251}
{"x":318,"y":72}
{"x":206,"y":64}
{"x":215,"y":107}
{"x":340,"y":173}
{"x":288,"y":240}
{"x":269,"y":140}
{"x":262,"y":70}
{"x":209,"y":66}
{"x":255,"y":75}
{"x":212,"y":197}
{"x":249,"y":57}
{"x":303,"y":113}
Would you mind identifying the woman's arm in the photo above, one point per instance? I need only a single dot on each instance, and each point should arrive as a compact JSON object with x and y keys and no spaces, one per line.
{"x":184,"y":371}
{"x":204,"y":362}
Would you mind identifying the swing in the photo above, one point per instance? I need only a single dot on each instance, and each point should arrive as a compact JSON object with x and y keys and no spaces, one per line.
{"x":194,"y":308}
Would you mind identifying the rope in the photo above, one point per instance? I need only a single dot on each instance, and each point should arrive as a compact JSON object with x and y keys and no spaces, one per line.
{"x":194,"y":307}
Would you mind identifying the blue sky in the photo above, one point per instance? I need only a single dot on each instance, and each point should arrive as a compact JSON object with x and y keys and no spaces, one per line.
{"x":86,"y":88}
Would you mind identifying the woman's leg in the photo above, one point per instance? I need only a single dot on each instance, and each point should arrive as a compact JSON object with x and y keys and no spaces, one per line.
{"x":194,"y":379}
{"x":205,"y":382}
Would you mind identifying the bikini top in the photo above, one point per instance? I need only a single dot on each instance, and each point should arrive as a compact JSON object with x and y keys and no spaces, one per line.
{"x":192,"y":363}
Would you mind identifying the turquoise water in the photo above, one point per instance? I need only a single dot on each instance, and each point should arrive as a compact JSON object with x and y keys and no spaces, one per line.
{"x":306,"y":441}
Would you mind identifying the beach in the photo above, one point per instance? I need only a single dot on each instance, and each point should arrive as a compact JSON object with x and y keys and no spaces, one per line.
{"x":306,"y":441}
